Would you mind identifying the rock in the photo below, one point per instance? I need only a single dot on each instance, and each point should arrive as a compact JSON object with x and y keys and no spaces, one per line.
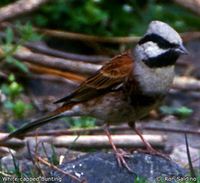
{"x":179,"y":155}
{"x":103,"y":168}
{"x":44,"y":150}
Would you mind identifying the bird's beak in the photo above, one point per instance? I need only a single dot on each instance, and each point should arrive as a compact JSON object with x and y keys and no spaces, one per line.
{"x":182,"y":50}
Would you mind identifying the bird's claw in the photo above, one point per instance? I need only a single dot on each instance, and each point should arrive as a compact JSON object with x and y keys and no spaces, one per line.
{"x":120,"y":155}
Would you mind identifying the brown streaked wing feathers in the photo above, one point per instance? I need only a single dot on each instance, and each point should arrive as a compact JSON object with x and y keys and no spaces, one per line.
{"x":109,"y":76}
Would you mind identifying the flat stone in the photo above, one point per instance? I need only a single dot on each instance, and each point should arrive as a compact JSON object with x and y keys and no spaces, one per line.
{"x":179,"y":154}
{"x":103,"y":168}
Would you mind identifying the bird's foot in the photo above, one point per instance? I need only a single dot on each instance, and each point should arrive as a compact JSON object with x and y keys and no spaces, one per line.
{"x":149,"y":148}
{"x":121,"y":155}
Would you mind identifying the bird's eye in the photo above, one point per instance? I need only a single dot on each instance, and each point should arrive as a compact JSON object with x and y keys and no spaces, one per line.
{"x":174,"y":45}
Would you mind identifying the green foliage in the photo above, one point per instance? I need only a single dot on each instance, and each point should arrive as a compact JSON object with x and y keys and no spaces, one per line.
{"x":10,"y":46}
{"x":140,"y":180}
{"x":182,"y":112}
{"x":12,"y":90}
{"x":5,"y":2}
{"x":54,"y":157}
{"x":119,"y":18}
{"x":26,"y":32}
{"x":11,"y":127}
{"x":81,"y":122}
{"x":19,"y":108}
{"x":17,"y":170}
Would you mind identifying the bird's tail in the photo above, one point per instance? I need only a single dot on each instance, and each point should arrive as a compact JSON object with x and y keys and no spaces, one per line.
{"x":35,"y":124}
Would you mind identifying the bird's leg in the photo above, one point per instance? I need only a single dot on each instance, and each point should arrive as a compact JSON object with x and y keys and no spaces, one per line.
{"x":148,"y":146}
{"x":120,"y":154}
{"x":146,"y":143}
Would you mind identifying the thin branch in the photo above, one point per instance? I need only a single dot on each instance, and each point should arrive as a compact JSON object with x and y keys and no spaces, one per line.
{"x":51,"y":78}
{"x":80,"y":131}
{"x":101,"y":141}
{"x":41,"y":47}
{"x":170,"y":130}
{"x":56,"y":63}
{"x":192,"y":172}
{"x":117,"y":40}
{"x":5,"y":174}
{"x":41,"y":160}
{"x":45,"y":134}
{"x":113,"y":129}
{"x":18,"y":8}
{"x":44,"y":49}
{"x":44,"y":70}
{"x":97,"y":141}
{"x":14,"y":143}
{"x":3,"y":75}
{"x":97,"y":130}
{"x":57,"y":66}
{"x":193,"y":5}
{"x":188,"y":36}
{"x":186,"y":83}
{"x":87,"y":38}
{"x":35,"y":164}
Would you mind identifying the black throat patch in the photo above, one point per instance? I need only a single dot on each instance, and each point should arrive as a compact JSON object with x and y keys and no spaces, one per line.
{"x":166,"y":59}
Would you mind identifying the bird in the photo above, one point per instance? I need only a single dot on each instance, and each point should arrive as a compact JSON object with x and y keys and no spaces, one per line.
{"x":126,"y":88}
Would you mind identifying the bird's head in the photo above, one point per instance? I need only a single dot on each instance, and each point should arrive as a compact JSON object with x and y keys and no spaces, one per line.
{"x":161,"y":46}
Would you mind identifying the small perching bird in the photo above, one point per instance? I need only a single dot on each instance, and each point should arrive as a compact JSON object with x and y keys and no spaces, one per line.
{"x":127,"y":87}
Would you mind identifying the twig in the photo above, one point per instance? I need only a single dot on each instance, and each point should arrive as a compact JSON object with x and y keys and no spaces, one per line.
{"x":51,"y":78}
{"x":45,"y":70}
{"x":193,"y":5}
{"x":32,"y":159}
{"x":3,"y":75}
{"x":170,"y":130}
{"x":41,"y":47}
{"x":183,"y":83}
{"x":97,"y":141}
{"x":55,"y":133}
{"x":14,"y":143}
{"x":57,"y":169}
{"x":115,"y":129}
{"x":5,"y":174}
{"x":18,"y":8}
{"x":56,"y":63}
{"x":87,"y":38}
{"x":118,"y":40}
{"x":77,"y":131}
{"x":187,"y":36}
{"x":44,"y":49}
{"x":186,"y":83}
{"x":192,"y":172}
{"x":101,"y":141}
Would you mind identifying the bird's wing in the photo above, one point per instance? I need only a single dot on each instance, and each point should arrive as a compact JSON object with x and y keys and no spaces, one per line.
{"x":105,"y":80}
{"x":108,"y":77}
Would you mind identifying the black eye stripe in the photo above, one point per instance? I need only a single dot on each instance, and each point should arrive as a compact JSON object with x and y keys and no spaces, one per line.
{"x":161,"y":42}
